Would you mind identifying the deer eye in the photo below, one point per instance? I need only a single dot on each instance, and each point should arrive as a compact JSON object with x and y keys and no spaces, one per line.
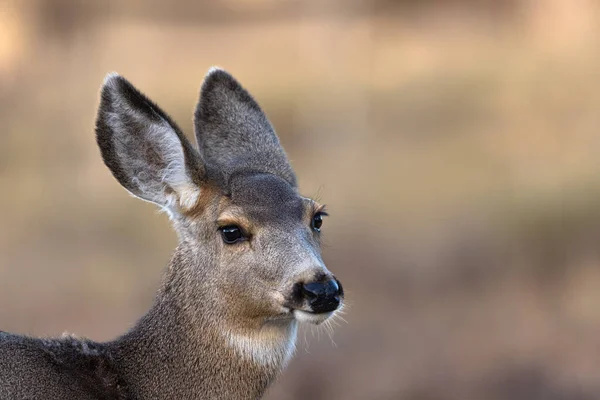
{"x":231,"y":234}
{"x":317,"y":221}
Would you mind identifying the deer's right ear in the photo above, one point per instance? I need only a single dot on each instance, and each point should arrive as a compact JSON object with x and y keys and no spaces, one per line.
{"x":144,"y":149}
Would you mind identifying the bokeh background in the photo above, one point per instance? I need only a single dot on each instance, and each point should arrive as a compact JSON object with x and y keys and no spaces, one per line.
{"x":455,"y":142}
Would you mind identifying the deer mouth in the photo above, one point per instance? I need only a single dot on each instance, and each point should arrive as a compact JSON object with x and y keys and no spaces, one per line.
{"x":311,"y":317}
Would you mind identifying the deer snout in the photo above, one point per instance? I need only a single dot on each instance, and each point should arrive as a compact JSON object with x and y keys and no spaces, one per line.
{"x":323,"y":296}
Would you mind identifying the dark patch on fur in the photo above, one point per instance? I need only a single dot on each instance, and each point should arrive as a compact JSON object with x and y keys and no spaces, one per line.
{"x":89,"y":364}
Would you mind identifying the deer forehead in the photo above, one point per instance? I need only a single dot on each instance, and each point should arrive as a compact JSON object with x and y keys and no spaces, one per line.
{"x":265,"y":198}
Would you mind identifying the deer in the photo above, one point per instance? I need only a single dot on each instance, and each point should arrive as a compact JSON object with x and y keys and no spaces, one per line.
{"x":246,"y":272}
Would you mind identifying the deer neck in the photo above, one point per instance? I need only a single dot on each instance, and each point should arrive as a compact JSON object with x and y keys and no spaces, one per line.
{"x":178,"y":352}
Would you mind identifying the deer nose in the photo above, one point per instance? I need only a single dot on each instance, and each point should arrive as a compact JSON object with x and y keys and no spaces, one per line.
{"x":323,"y":296}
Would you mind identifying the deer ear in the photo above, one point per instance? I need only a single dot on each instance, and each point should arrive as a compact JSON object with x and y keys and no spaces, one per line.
{"x":233,"y":132}
{"x":144,"y":149}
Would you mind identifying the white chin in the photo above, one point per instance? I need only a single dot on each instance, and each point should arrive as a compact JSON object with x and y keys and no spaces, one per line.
{"x":311,"y":318}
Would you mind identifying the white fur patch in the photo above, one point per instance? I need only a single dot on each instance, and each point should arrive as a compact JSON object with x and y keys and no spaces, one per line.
{"x":311,"y":318}
{"x":273,"y":346}
{"x":175,"y":174}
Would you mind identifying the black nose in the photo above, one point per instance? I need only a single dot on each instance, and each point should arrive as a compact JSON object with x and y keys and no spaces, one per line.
{"x":322,"y":296}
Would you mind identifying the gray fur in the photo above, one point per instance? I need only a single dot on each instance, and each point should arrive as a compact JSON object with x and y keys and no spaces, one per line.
{"x":224,"y":321}
{"x":233,"y":132}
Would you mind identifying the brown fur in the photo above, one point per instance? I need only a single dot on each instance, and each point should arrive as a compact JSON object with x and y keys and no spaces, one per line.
{"x":208,"y":195}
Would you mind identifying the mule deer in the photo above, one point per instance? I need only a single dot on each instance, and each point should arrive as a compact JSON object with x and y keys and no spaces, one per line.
{"x":247,"y":268}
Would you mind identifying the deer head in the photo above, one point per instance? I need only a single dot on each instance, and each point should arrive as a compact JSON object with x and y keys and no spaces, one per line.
{"x":249,"y":260}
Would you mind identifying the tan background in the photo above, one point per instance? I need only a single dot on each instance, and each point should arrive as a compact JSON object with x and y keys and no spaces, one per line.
{"x":456,"y":144}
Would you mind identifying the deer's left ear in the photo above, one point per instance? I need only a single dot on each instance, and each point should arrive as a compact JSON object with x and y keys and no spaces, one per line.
{"x":144,"y":149}
{"x":232,"y":131}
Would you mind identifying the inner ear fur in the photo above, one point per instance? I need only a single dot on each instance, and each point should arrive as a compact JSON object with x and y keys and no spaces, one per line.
{"x":144,"y":149}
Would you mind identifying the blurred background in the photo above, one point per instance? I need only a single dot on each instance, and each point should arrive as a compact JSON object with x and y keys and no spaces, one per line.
{"x":455,"y":143}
